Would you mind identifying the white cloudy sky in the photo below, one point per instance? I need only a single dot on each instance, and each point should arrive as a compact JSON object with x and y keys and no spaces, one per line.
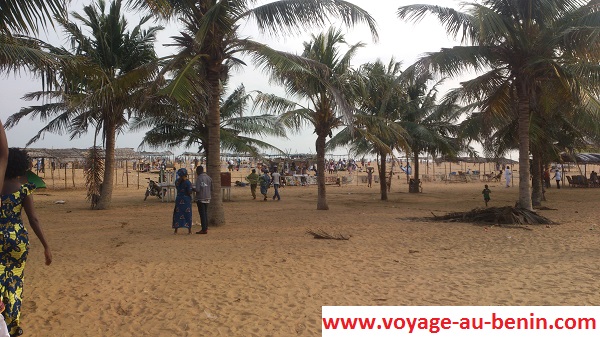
{"x":403,"y":41}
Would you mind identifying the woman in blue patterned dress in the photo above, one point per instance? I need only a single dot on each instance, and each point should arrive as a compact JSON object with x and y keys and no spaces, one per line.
{"x":182,"y":214}
{"x":14,"y":237}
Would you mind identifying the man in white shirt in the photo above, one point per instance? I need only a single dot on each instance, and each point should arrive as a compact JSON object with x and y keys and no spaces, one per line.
{"x":275,"y":176}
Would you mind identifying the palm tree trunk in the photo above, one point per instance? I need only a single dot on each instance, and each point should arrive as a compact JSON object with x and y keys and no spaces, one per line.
{"x":382,"y":180}
{"x":322,"y":195}
{"x":536,"y":180}
{"x":106,"y":188}
{"x":523,"y":129}
{"x":415,"y":188}
{"x":216,"y":214}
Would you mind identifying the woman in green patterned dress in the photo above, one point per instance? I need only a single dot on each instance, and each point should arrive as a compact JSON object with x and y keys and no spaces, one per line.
{"x":14,"y":237}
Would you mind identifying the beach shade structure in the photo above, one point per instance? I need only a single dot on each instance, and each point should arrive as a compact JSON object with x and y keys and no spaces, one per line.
{"x":33,"y":178}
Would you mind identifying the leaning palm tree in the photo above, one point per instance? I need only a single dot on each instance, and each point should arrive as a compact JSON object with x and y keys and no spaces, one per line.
{"x":170,"y":125}
{"x":327,"y":94}
{"x":213,"y":29}
{"x":517,"y":44}
{"x":108,"y":87}
{"x":374,"y":128}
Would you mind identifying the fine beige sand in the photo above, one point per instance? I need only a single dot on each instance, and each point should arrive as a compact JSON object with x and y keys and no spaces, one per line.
{"x":122,"y":272}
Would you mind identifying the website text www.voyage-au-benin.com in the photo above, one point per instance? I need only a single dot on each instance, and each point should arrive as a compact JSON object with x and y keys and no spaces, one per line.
{"x":461,"y":321}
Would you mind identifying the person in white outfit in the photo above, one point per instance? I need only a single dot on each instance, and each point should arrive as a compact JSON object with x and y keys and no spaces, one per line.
{"x":507,"y":175}
{"x":558,"y":177}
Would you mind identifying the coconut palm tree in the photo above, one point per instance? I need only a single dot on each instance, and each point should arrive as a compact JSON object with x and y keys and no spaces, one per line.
{"x":517,"y":44}
{"x":107,"y":89}
{"x":572,"y":128}
{"x":374,"y":128}
{"x":327,"y":93}
{"x":171,"y":126}
{"x":213,"y":30}
{"x":431,"y":127}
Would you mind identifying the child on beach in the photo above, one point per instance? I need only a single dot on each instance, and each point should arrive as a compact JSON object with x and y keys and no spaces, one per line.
{"x":486,"y":195}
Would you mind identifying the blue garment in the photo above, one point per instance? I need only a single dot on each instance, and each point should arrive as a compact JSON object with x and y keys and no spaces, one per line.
{"x":182,"y":172}
{"x":264,"y":181}
{"x":182,"y":214}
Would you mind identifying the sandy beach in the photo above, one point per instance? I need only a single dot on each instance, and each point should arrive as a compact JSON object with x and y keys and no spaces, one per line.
{"x":122,"y":272}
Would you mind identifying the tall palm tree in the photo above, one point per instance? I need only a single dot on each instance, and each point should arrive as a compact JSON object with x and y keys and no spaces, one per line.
{"x":327,"y":93}
{"x":430,"y":126}
{"x":517,"y":44}
{"x":375,"y":129}
{"x":172,"y":126}
{"x":572,"y":128}
{"x":107,"y":89}
{"x":214,"y":27}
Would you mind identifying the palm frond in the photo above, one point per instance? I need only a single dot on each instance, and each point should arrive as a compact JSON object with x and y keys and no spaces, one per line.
{"x":295,"y":16}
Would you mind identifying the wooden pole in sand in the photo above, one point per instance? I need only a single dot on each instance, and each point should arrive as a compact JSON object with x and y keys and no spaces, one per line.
{"x":138,"y":174}
{"x":52,"y":175}
{"x":126,"y":174}
{"x":65,"y":176}
{"x":512,"y":181}
{"x":116,"y":174}
{"x":73,"y":174}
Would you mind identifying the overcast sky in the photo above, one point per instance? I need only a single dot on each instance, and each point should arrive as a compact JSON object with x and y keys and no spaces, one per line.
{"x":403,"y":41}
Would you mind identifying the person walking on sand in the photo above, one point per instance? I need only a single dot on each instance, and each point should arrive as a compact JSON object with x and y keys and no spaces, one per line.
{"x":486,"y":194}
{"x":264,"y":182}
{"x":16,"y":196}
{"x":253,"y":180}
{"x":182,"y":212}
{"x":557,"y":177}
{"x":369,"y":176}
{"x":275,"y":176}
{"x":547,"y":178}
{"x":507,"y":175}
{"x":203,"y":192}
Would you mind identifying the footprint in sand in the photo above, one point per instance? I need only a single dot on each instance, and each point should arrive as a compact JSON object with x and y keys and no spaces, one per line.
{"x":300,"y":328}
{"x":210,"y":315}
{"x":31,"y":306}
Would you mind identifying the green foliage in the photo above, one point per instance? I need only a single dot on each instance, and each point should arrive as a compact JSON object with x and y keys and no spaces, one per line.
{"x":173,"y":125}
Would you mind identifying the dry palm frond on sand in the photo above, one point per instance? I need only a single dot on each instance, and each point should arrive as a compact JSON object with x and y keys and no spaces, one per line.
{"x":497,"y":215}
{"x":321,"y":234}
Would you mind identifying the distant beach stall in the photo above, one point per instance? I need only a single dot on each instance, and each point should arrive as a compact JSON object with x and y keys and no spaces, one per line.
{"x":483,"y":172}
{"x":581,"y":179}
{"x":62,"y":159}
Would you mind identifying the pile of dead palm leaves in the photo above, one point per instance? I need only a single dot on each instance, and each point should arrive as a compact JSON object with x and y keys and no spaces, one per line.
{"x":496,"y":215}
{"x":321,"y":234}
